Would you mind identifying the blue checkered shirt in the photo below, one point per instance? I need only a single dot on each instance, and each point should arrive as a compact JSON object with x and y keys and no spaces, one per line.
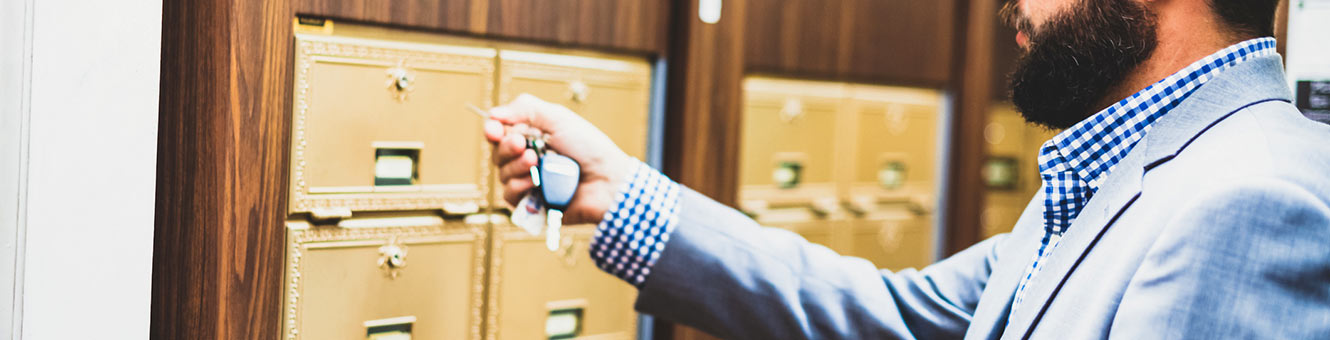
{"x":633,"y":232}
{"x":1075,"y":162}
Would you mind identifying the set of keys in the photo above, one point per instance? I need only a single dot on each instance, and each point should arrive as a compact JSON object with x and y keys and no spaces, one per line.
{"x":555,"y":178}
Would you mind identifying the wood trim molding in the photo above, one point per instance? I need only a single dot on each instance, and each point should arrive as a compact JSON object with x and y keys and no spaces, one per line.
{"x":705,"y":100}
{"x":703,"y":110}
{"x":973,"y":91}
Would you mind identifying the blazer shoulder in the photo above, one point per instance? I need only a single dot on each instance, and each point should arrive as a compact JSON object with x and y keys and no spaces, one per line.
{"x":1269,"y":139}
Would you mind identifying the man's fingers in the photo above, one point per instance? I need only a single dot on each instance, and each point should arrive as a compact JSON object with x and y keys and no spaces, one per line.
{"x":530,"y":110}
{"x":518,"y":168}
{"x":514,"y":190}
{"x":494,"y":130}
{"x":509,"y":149}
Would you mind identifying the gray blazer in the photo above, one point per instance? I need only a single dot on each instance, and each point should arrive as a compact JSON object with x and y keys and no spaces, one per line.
{"x":1215,"y":226}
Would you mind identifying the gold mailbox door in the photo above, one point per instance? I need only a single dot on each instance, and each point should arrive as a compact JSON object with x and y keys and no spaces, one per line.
{"x":337,"y":287}
{"x":896,"y":140}
{"x":1011,"y":171}
{"x":789,"y":138}
{"x":382,"y":125}
{"x":611,"y":92}
{"x":893,"y":243}
{"x":893,"y":174}
{"x":528,"y":283}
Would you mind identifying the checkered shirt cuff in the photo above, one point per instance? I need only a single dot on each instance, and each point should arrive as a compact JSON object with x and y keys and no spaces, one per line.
{"x":633,"y":232}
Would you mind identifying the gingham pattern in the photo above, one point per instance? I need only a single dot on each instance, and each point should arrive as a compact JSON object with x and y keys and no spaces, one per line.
{"x":1075,"y":162}
{"x":633,"y":233}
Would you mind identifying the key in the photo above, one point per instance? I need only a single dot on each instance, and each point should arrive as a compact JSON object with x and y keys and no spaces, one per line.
{"x":559,"y":177}
{"x":478,"y":111}
{"x":555,"y":178}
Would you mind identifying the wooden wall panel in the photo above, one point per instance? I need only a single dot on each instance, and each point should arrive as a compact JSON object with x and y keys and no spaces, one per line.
{"x":221,"y":168}
{"x":1005,"y":53}
{"x":703,"y":107}
{"x":881,"y":41}
{"x":705,"y":100}
{"x":635,"y":26}
{"x":972,"y":87}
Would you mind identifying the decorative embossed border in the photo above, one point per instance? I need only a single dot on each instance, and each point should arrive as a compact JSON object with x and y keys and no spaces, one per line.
{"x":300,"y":235}
{"x":312,"y":48}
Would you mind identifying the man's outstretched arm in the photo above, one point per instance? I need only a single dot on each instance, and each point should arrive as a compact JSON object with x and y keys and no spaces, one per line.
{"x":724,"y":274}
{"x":703,"y":264}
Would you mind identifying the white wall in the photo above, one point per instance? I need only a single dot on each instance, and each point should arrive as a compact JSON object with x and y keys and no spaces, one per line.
{"x":85,"y":221}
{"x":13,"y":62}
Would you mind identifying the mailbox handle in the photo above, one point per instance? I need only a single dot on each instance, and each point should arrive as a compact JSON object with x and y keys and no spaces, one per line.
{"x":910,"y":204}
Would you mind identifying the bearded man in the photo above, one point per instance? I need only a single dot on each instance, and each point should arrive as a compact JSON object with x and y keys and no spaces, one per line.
{"x":1185,"y":198}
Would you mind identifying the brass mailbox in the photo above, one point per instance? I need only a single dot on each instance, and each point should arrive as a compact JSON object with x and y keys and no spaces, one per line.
{"x":391,"y":231}
{"x":379,"y":125}
{"x":534,"y":294}
{"x":611,"y":92}
{"x":538,"y":295}
{"x":422,"y":278}
{"x":384,"y":161}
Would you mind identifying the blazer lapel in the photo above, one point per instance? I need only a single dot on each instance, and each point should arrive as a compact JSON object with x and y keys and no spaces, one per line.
{"x":1119,"y":190}
{"x":995,"y":303}
{"x":1254,"y":81}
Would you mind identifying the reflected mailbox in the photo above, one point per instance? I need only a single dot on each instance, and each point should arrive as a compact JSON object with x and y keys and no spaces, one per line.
{"x":1011,"y":171}
{"x":788,"y":155}
{"x":894,"y":174}
{"x":850,"y":166}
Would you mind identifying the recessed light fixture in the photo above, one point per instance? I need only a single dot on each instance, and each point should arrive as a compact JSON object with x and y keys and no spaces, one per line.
{"x":708,"y":11}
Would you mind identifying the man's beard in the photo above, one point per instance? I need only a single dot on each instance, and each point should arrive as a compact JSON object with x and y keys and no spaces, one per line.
{"x":1077,"y":57}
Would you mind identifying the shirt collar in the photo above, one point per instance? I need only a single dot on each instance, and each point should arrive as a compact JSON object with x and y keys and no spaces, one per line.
{"x":1094,"y":146}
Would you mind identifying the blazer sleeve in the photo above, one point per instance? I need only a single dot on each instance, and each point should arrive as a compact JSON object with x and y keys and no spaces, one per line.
{"x":1250,"y":261}
{"x":722,"y":273}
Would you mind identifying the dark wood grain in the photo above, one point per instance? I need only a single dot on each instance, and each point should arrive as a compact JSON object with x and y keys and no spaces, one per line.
{"x":1005,"y":53}
{"x":222,"y":160}
{"x":705,"y":100}
{"x":1281,"y":28}
{"x":972,"y":86}
{"x":879,"y":41}
{"x":703,"y":109}
{"x":637,"y":26}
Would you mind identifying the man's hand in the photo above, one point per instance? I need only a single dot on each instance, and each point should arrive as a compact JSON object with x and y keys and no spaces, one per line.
{"x":604,"y":166}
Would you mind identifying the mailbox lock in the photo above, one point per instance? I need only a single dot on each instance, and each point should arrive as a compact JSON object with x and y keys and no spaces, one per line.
{"x":579,"y":91}
{"x":400,"y":80}
{"x":792,"y":109}
{"x":393,"y":258}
